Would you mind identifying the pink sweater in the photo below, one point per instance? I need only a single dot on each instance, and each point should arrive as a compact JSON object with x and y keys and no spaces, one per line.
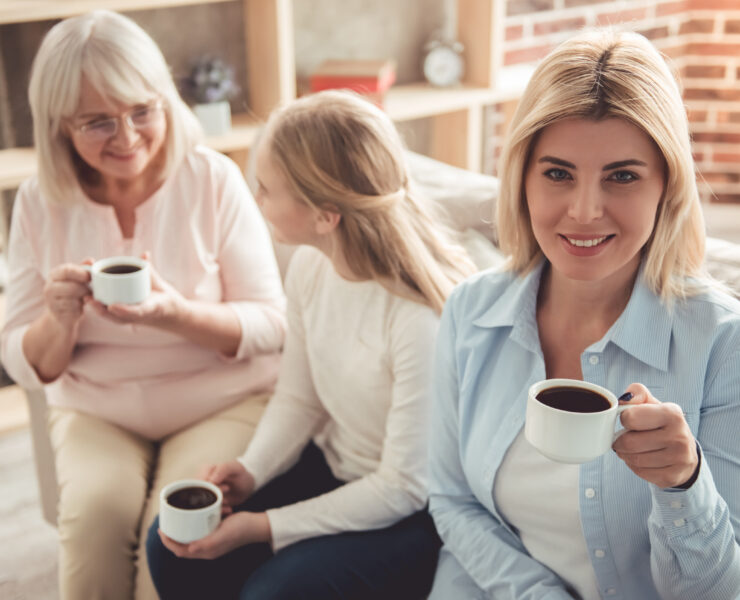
{"x":208,"y":239}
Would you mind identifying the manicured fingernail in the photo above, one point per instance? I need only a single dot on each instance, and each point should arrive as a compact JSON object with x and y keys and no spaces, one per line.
{"x":626,"y":397}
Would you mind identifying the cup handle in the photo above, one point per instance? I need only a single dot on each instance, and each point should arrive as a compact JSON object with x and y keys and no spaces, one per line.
{"x":622,"y":431}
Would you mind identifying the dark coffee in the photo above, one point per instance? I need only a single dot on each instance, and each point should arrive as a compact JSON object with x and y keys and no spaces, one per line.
{"x":121,"y":269}
{"x":573,"y":399}
{"x":191,"y":498}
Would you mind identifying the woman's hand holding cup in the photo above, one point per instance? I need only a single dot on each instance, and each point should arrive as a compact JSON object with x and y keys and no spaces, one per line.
{"x":160,"y":308}
{"x":657,"y":445}
{"x":236,"y":483}
{"x":236,"y":529}
{"x":66,"y":291}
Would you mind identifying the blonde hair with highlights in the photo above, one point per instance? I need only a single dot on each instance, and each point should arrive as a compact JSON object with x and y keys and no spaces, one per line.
{"x":607,"y":74}
{"x":122,"y":62}
{"x":342,"y":154}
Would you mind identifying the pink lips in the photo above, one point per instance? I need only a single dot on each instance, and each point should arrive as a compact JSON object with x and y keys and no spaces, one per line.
{"x":585,"y":245}
{"x":124,"y":155}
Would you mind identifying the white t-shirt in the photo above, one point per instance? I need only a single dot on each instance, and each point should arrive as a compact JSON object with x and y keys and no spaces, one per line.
{"x":355,"y":377}
{"x":539,"y":497}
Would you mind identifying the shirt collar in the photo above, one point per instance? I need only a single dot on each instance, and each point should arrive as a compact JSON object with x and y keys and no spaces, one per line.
{"x":643,"y":330}
{"x":517,"y":308}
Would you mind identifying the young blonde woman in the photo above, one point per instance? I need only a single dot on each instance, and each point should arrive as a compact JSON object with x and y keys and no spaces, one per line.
{"x":328,"y":501}
{"x":133,"y":389}
{"x":600,"y":213}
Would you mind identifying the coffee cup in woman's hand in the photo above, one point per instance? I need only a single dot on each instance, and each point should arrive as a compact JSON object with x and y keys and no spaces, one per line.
{"x":120,"y":280}
{"x":571,"y":421}
{"x":189,"y":509}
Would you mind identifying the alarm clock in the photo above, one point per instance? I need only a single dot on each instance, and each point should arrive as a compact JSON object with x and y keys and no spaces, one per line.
{"x":443,"y":63}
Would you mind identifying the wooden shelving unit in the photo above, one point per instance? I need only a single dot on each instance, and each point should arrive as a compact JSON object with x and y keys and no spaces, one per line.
{"x":455,"y":114}
{"x":23,"y":11}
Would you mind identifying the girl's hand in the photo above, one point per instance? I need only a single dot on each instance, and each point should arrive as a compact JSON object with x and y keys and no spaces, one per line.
{"x":163,"y":308}
{"x":66,"y":291}
{"x":236,"y":483}
{"x":658,"y":446}
{"x":234,"y":531}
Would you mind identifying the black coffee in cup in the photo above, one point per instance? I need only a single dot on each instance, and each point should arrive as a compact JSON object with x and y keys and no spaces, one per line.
{"x":191,"y":498}
{"x":573,"y":399}
{"x":120,"y":269}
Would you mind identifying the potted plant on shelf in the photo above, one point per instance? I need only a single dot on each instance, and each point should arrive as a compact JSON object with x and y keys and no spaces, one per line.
{"x":210,"y":85}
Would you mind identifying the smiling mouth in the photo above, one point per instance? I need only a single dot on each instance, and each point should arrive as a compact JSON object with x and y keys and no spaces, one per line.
{"x":124,"y":153}
{"x":589,"y":243}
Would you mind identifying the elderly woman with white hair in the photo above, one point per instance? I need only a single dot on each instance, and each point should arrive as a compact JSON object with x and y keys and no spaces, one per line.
{"x":133,"y":389}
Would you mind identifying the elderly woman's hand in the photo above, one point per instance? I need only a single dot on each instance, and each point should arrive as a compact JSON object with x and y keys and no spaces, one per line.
{"x":658,"y":446}
{"x":66,"y":291}
{"x":161,"y":309}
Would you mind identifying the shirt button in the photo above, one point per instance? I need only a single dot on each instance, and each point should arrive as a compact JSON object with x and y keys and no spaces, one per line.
{"x":679,"y":522}
{"x":590,"y":492}
{"x":611,"y":592}
{"x":599,"y":553}
{"x":593,"y":359}
{"x":675,"y":504}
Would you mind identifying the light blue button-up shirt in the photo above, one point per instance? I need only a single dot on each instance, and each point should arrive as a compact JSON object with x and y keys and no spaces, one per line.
{"x":653,"y":543}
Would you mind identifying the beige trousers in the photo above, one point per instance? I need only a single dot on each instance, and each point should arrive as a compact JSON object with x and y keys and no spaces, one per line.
{"x":109,"y":481}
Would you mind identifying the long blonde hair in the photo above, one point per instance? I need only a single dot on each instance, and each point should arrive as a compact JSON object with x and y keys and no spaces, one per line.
{"x":119,"y":60}
{"x":597,"y":75}
{"x":343,"y":154}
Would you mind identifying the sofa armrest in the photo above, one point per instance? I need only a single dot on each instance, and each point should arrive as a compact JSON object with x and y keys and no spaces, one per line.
{"x":46,"y":474}
{"x":722,"y":262}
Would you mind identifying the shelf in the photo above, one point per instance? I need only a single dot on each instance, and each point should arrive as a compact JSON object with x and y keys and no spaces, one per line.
{"x":243,"y":133}
{"x":456,"y":114}
{"x":18,"y":164}
{"x":420,"y":100}
{"x":20,"y":11}
{"x":402,"y":103}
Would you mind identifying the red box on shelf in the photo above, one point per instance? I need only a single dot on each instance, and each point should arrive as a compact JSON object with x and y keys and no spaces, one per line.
{"x":371,"y":78}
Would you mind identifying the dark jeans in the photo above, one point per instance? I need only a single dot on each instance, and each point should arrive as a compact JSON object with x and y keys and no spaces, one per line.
{"x":395,"y":562}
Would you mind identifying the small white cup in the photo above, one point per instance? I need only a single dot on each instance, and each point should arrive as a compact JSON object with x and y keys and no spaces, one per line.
{"x":568,"y":436}
{"x":120,"y":288}
{"x":186,"y":525}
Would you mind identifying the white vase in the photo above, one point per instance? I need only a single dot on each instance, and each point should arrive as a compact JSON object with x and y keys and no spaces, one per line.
{"x":215,"y":117}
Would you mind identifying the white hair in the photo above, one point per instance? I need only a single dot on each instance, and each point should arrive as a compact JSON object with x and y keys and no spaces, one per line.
{"x":120,"y":61}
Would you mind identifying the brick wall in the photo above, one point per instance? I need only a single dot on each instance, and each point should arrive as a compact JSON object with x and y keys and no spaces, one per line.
{"x":702,"y":37}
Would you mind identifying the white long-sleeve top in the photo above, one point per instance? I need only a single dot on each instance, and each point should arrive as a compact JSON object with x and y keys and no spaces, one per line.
{"x":355,"y":377}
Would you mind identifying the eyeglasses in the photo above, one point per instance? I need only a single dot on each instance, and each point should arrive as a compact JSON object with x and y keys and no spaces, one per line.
{"x":138,"y":118}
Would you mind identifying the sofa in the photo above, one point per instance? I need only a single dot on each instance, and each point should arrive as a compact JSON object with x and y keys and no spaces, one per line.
{"x":465,"y":201}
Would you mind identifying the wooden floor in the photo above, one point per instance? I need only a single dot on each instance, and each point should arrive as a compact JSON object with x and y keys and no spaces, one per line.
{"x":28,"y":545}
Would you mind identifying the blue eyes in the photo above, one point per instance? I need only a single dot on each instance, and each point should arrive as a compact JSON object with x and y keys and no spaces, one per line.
{"x":623,"y":176}
{"x":557,"y":175}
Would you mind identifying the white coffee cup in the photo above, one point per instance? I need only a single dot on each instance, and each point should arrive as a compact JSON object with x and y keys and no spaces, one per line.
{"x":570,"y":436}
{"x":129,"y":287}
{"x":186,"y":525}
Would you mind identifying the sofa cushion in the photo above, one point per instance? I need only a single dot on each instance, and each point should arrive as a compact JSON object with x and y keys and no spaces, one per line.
{"x":723,"y":263}
{"x":467,"y":198}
